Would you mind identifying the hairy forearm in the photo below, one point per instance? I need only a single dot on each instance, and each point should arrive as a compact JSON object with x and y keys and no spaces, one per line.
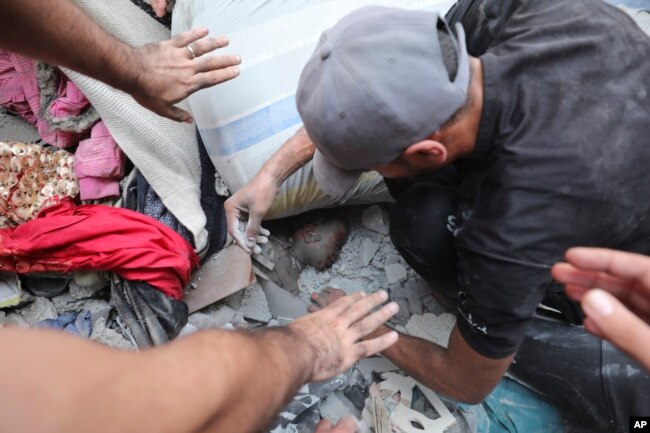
{"x":58,"y":32}
{"x":293,"y":154}
{"x":212,"y":381}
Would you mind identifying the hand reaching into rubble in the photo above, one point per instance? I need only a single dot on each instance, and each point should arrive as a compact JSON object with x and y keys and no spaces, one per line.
{"x":613,"y":288}
{"x":157,"y":75}
{"x":251,"y":204}
{"x":335,"y":333}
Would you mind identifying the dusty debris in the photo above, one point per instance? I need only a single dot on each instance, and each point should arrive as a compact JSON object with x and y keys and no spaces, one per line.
{"x":337,"y":406}
{"x":282,"y":303}
{"x":373,"y":219}
{"x":227,"y":272}
{"x":222,"y":314}
{"x":15,"y":319}
{"x":107,"y":336}
{"x":205,"y":321}
{"x":80,"y":292}
{"x":40,"y":309}
{"x":368,"y":250}
{"x":395,"y":273}
{"x":254,"y":304}
{"x":431,"y":327}
{"x":2,"y":318}
{"x":286,"y":269}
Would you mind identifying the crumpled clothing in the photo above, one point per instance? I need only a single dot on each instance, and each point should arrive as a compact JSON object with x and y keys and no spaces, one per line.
{"x":99,"y":164}
{"x":66,"y":238}
{"x":75,"y":323}
{"x":30,"y":176}
{"x":20,"y":93}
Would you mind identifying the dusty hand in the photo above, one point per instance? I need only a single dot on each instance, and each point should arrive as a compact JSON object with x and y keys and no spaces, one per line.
{"x":614,"y":290}
{"x":250,"y":204}
{"x":336,"y":332}
{"x":168,"y":72}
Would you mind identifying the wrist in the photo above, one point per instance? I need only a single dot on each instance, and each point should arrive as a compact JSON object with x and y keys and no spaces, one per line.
{"x":293,"y":351}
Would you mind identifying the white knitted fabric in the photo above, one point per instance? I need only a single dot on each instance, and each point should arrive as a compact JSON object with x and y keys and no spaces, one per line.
{"x":164,"y":151}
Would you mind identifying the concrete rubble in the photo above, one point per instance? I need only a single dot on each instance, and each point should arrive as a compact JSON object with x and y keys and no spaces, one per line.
{"x":367,"y":261}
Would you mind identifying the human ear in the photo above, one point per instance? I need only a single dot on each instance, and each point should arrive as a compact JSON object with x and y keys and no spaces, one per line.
{"x":426,"y":154}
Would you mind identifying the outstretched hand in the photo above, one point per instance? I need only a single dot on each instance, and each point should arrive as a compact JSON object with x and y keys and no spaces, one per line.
{"x":613,"y":288}
{"x":169,"y":72}
{"x":336,"y":332}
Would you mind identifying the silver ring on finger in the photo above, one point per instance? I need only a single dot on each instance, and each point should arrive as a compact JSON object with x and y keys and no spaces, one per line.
{"x":191,"y":50}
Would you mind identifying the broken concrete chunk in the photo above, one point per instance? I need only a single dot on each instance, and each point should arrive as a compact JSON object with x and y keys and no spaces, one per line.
{"x":348,"y":285}
{"x":395,"y":273}
{"x":15,"y":319}
{"x":403,"y":314}
{"x":367,"y":251}
{"x":337,"y":406}
{"x":415,"y":303}
{"x":221,"y":275}
{"x":373,"y":219}
{"x":10,"y":292}
{"x":391,"y":259}
{"x":377,"y":365}
{"x":431,"y":327}
{"x":281,"y":302}
{"x":223,"y":315}
{"x":254,"y":305}
{"x":107,"y":336}
{"x":203,"y":321}
{"x":40,"y":309}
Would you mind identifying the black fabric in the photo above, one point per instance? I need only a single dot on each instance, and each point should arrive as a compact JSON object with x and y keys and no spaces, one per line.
{"x":561,"y":157}
{"x":596,"y":385}
{"x":152,"y":317}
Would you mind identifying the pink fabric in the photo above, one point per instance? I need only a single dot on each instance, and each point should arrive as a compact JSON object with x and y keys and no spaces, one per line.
{"x":99,"y":164}
{"x":19,"y":93}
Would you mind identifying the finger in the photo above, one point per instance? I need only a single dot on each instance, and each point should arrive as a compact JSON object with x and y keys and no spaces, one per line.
{"x":253,"y":228}
{"x":207,"y":45}
{"x":362,"y":307}
{"x":575,"y":292}
{"x":257,"y":249}
{"x":367,"y":348}
{"x":370,"y":323}
{"x":566,"y":273}
{"x":264,"y":232}
{"x":346,"y":425}
{"x":312,"y":308}
{"x":212,"y":78}
{"x":232,"y":220}
{"x":182,"y":40}
{"x":618,"y":325}
{"x":620,"y":264}
{"x":215,"y":63}
{"x":262,"y":240}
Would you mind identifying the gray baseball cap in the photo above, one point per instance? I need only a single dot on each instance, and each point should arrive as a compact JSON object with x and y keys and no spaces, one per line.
{"x":375,"y":85}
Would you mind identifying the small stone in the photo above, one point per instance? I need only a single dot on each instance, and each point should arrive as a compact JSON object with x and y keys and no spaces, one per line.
{"x":204,"y":321}
{"x":99,"y":309}
{"x":403,"y":315}
{"x":431,"y":327}
{"x":41,"y":309}
{"x":348,"y":285}
{"x":391,"y":259}
{"x":337,"y":406}
{"x":238,"y":322}
{"x":395,"y":273}
{"x":282,"y":303}
{"x":367,"y":251}
{"x":223,"y":315}
{"x":15,"y":319}
{"x":373,"y":219}
{"x":415,"y":302}
{"x":396,"y":290}
{"x":107,"y":336}
{"x":254,"y":304}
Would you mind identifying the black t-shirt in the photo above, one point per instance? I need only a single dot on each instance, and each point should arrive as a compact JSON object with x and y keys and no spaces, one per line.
{"x":562,"y":157}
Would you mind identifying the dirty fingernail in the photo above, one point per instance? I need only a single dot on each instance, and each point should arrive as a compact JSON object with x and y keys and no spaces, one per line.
{"x":597,"y":303}
{"x":383,"y":295}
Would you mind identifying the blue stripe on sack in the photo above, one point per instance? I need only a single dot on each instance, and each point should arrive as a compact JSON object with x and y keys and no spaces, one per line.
{"x":251,"y":129}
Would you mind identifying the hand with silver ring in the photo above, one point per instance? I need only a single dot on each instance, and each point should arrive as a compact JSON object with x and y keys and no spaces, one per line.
{"x":170,"y":71}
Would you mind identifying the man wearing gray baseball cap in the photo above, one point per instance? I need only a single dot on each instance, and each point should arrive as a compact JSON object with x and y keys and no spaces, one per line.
{"x":502,"y":150}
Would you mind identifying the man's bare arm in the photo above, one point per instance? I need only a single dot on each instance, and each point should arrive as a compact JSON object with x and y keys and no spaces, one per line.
{"x":211,"y":381}
{"x":254,"y":200}
{"x":157,"y":75}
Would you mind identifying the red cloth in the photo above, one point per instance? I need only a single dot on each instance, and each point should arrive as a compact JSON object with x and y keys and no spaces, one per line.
{"x":65,"y":238}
